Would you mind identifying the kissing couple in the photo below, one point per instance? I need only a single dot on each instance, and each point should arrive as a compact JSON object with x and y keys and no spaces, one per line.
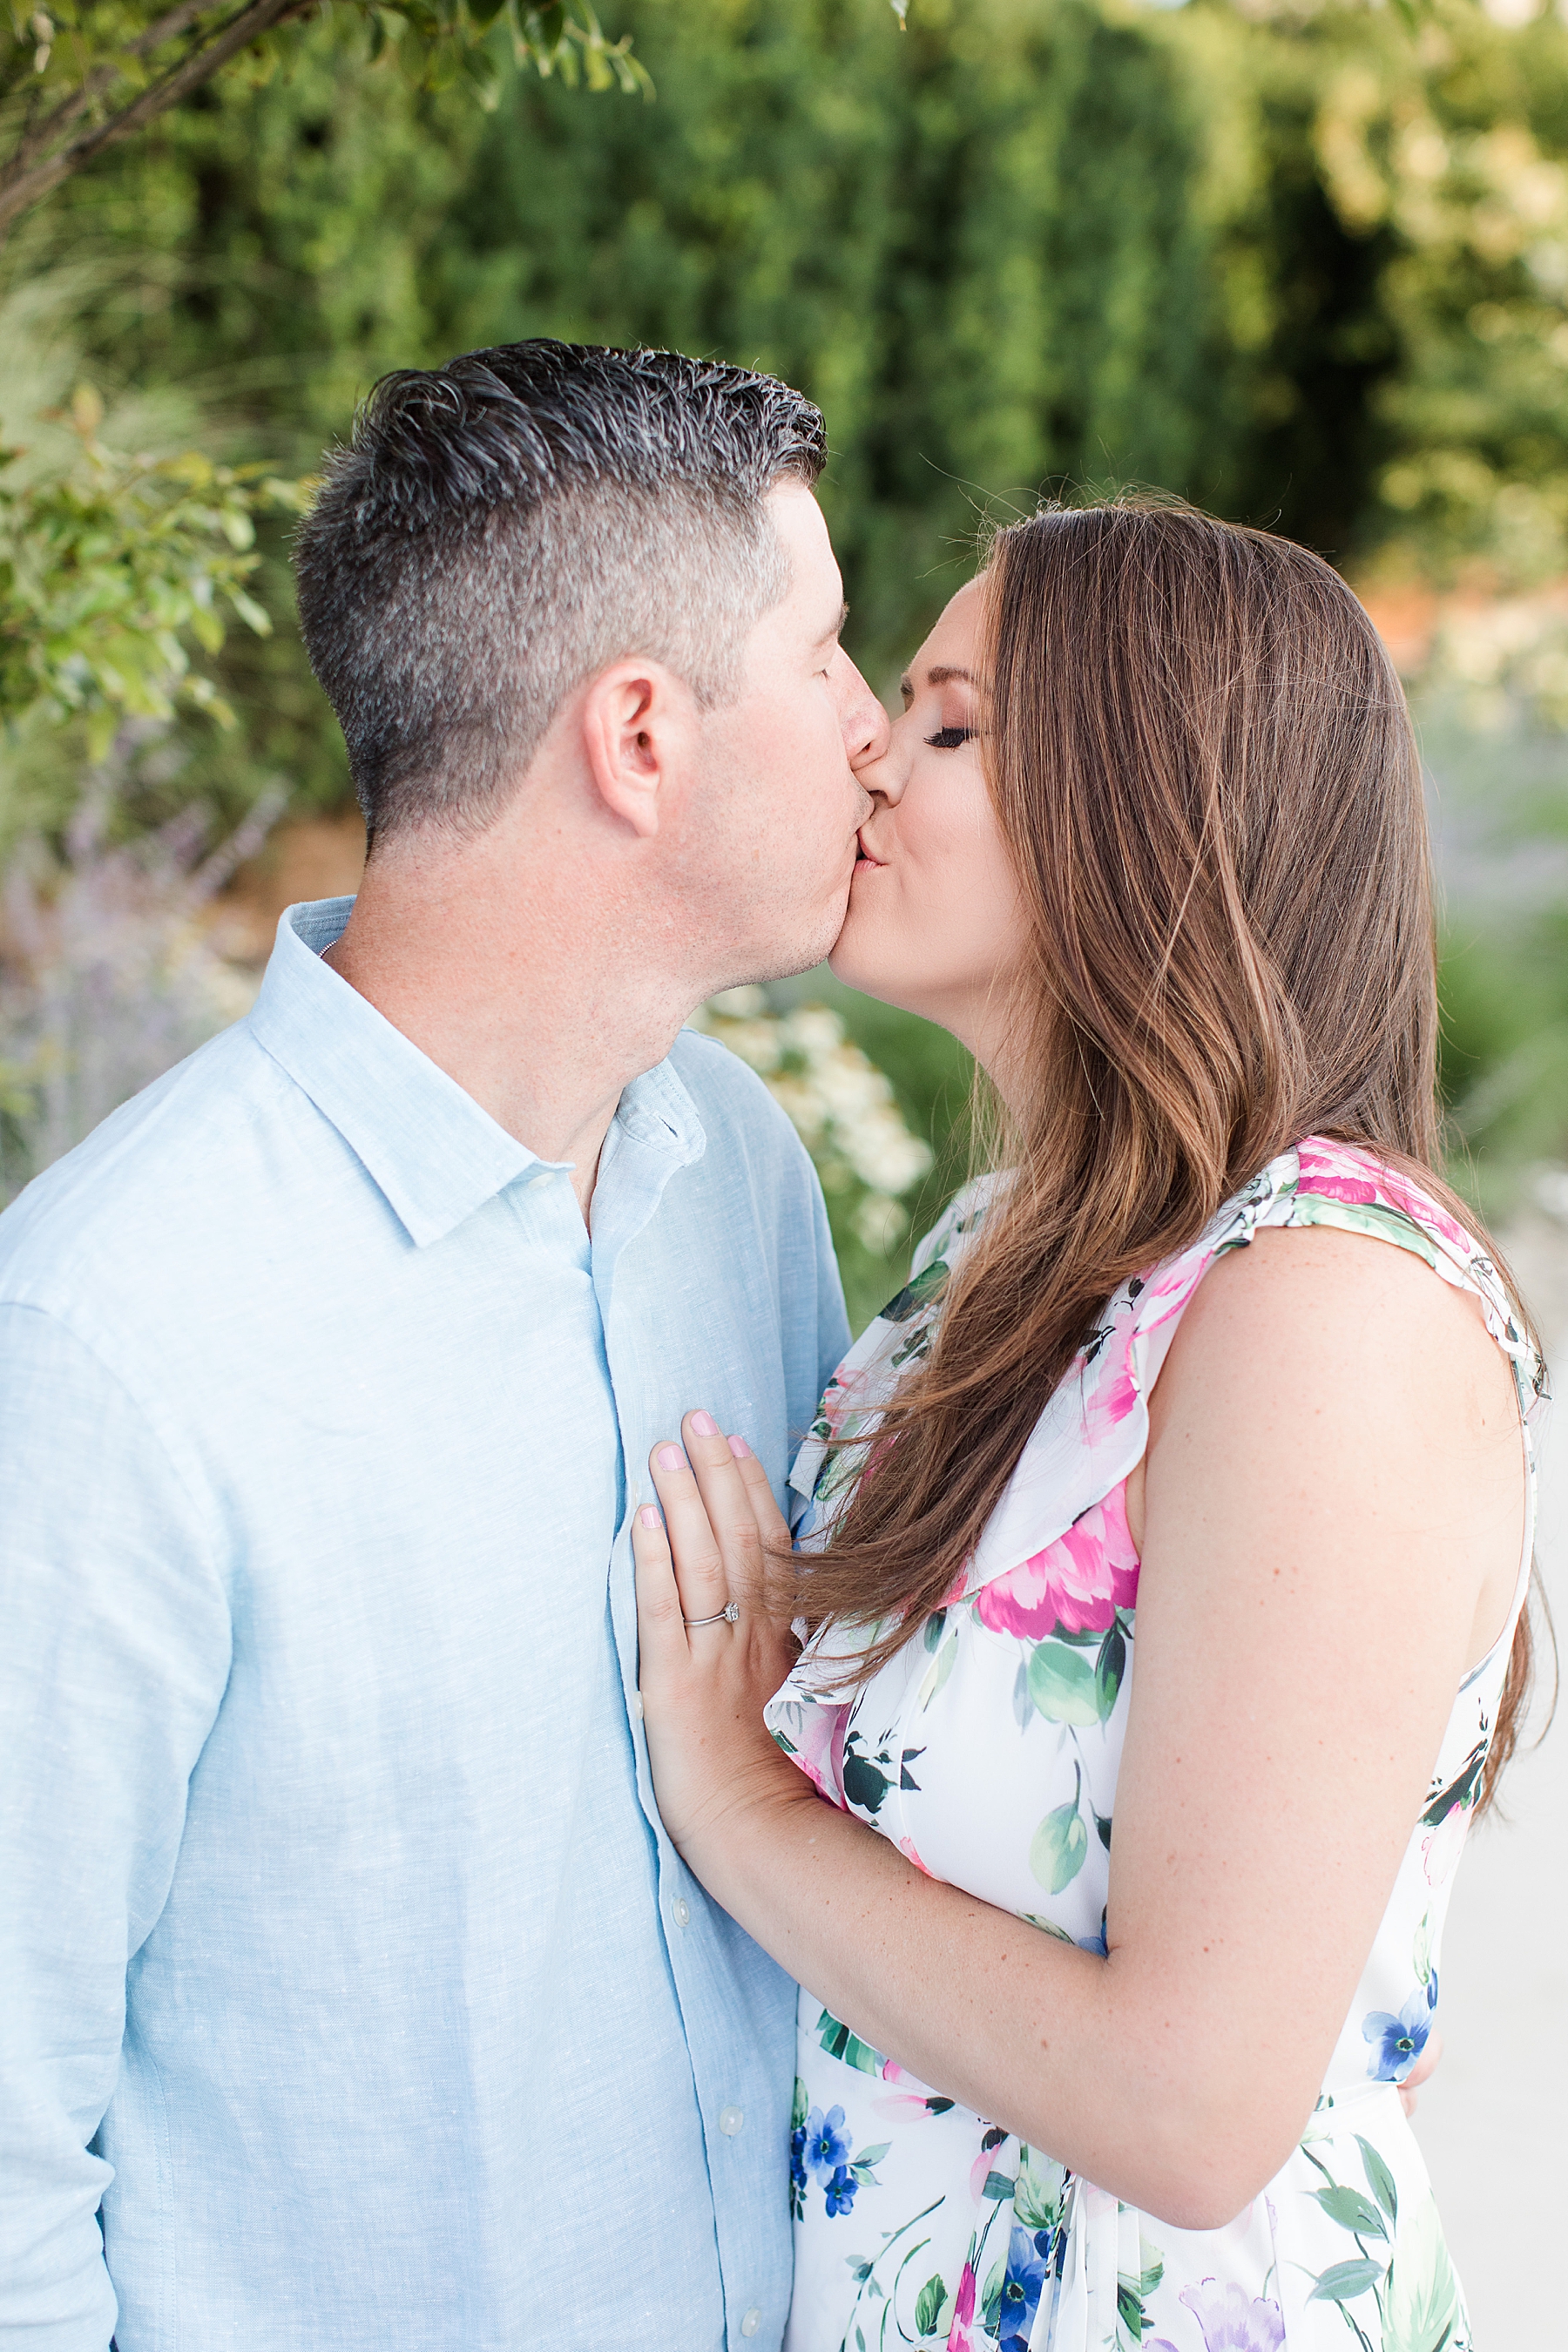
{"x":551,"y":1804}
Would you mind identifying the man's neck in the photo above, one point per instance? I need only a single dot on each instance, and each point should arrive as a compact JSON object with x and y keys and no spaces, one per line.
{"x":534,"y":1009}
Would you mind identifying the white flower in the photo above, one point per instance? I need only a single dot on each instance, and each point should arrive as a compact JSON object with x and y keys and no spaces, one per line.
{"x":843,"y":1108}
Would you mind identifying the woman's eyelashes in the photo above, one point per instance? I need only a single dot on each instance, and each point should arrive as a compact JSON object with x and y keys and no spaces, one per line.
{"x":948,"y":738}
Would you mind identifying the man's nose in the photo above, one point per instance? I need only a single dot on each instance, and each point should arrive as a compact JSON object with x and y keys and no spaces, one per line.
{"x":865,"y":722}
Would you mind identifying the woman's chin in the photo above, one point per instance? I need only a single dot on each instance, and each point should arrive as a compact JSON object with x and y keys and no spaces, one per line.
{"x":854,"y":961}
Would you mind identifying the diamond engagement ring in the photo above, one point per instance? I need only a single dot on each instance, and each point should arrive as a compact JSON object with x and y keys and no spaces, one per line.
{"x":725,"y":1616}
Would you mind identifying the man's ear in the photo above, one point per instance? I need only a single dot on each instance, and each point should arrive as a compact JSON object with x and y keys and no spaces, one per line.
{"x":637,"y":731}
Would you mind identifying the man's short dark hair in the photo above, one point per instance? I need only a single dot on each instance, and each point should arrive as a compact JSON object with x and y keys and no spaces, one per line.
{"x":503,"y":527}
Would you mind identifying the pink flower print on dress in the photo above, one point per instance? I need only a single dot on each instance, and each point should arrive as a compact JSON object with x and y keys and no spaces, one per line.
{"x":1442,"y":1847}
{"x":1076,"y":1585}
{"x":1232,"y":2321}
{"x":1340,"y":1172}
{"x":962,"y":2336}
{"x":1112,"y":1389}
{"x":819,"y":1748}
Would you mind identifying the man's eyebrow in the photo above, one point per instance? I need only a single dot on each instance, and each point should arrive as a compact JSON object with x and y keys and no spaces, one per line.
{"x":835,"y":626}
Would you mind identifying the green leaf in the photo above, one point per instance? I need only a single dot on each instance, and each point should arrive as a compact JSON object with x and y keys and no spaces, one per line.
{"x":937,"y":1673}
{"x":1130,"y":2309}
{"x":1109,"y":1668}
{"x":1039,"y":2191}
{"x":1342,"y":2282}
{"x":928,"y":2304}
{"x":874,"y":2155}
{"x":1353,"y":2212}
{"x":997,"y":2185}
{"x":1379,"y":2180}
{"x":839,"y":2042}
{"x":1059,"y":1846}
{"x":802,"y":2106}
{"x":1422,"y":2303}
{"x":1062,"y":1684}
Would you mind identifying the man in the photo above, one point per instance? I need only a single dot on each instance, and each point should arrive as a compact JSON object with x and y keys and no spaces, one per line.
{"x":343,"y":1960}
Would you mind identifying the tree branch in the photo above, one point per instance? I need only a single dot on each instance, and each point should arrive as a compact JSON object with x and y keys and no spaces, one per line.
{"x":22,"y":186}
{"x":93,"y":86}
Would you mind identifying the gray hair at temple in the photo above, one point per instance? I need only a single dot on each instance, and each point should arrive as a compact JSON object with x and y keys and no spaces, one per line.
{"x":504,"y":527}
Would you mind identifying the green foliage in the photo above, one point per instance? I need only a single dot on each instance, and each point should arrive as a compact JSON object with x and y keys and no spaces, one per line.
{"x":1449,"y":158}
{"x":109,"y":567}
{"x":78,"y":77}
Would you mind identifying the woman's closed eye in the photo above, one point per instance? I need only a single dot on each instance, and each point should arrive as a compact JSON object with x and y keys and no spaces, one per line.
{"x":948,"y":738}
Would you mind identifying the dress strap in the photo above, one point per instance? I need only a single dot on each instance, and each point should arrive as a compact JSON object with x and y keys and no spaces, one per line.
{"x":1347,"y":1186}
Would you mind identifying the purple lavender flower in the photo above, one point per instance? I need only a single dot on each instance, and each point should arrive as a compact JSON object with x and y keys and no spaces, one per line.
{"x":1232,"y":2321}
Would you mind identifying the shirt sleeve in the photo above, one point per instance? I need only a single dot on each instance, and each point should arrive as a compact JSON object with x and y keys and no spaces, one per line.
{"x":832,"y":1319}
{"x":114,"y":1652}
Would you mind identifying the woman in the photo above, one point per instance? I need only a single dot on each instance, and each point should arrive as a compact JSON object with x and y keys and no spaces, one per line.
{"x":1166,"y":1635}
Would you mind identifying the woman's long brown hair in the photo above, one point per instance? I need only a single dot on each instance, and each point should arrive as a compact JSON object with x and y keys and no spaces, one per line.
{"x":1202,"y":763}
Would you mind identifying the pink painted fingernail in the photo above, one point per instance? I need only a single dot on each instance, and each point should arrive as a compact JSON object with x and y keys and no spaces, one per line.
{"x":648,"y":1516}
{"x":704,"y":1425}
{"x":739,"y":1449}
{"x":670,"y":1457}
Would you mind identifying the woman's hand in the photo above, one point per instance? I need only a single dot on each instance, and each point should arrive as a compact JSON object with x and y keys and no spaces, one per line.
{"x":705,"y":1678}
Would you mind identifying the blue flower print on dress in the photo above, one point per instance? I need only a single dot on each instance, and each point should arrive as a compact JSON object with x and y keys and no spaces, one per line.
{"x":827,"y":2144}
{"x":797,"y":2170}
{"x":1398,"y":2042}
{"x":841,"y":2189}
{"x":1029,"y":2255}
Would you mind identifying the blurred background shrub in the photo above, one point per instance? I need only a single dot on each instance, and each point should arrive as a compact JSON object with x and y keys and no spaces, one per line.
{"x":1298,"y":259}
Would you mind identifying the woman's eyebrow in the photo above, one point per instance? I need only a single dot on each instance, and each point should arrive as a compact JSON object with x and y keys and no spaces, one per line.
{"x":945,"y":673}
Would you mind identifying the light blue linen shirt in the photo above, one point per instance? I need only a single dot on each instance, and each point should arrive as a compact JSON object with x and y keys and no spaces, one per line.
{"x":342,"y":1956}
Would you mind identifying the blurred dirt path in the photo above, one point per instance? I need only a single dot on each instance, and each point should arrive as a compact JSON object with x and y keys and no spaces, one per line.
{"x":1493,"y":2125}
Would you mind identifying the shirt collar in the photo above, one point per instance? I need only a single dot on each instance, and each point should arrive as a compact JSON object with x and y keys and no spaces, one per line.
{"x":434,"y":1152}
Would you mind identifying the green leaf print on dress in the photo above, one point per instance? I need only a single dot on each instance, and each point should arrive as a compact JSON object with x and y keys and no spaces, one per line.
{"x":1062,"y":1684}
{"x":1060,"y":1843}
{"x":1411,"y":2283}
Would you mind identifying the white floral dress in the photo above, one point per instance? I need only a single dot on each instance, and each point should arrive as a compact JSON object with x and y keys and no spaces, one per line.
{"x":987,"y":1750}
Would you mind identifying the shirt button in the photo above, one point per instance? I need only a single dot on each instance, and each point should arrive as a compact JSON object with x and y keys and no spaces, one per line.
{"x":729,"y":2120}
{"x":751,"y":2322}
{"x":682,"y":1910}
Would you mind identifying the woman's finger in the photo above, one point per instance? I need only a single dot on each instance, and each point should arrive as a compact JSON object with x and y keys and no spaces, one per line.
{"x":772,"y":1526}
{"x":728,"y":1504}
{"x":700,"y":1571}
{"x":661,"y":1633}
